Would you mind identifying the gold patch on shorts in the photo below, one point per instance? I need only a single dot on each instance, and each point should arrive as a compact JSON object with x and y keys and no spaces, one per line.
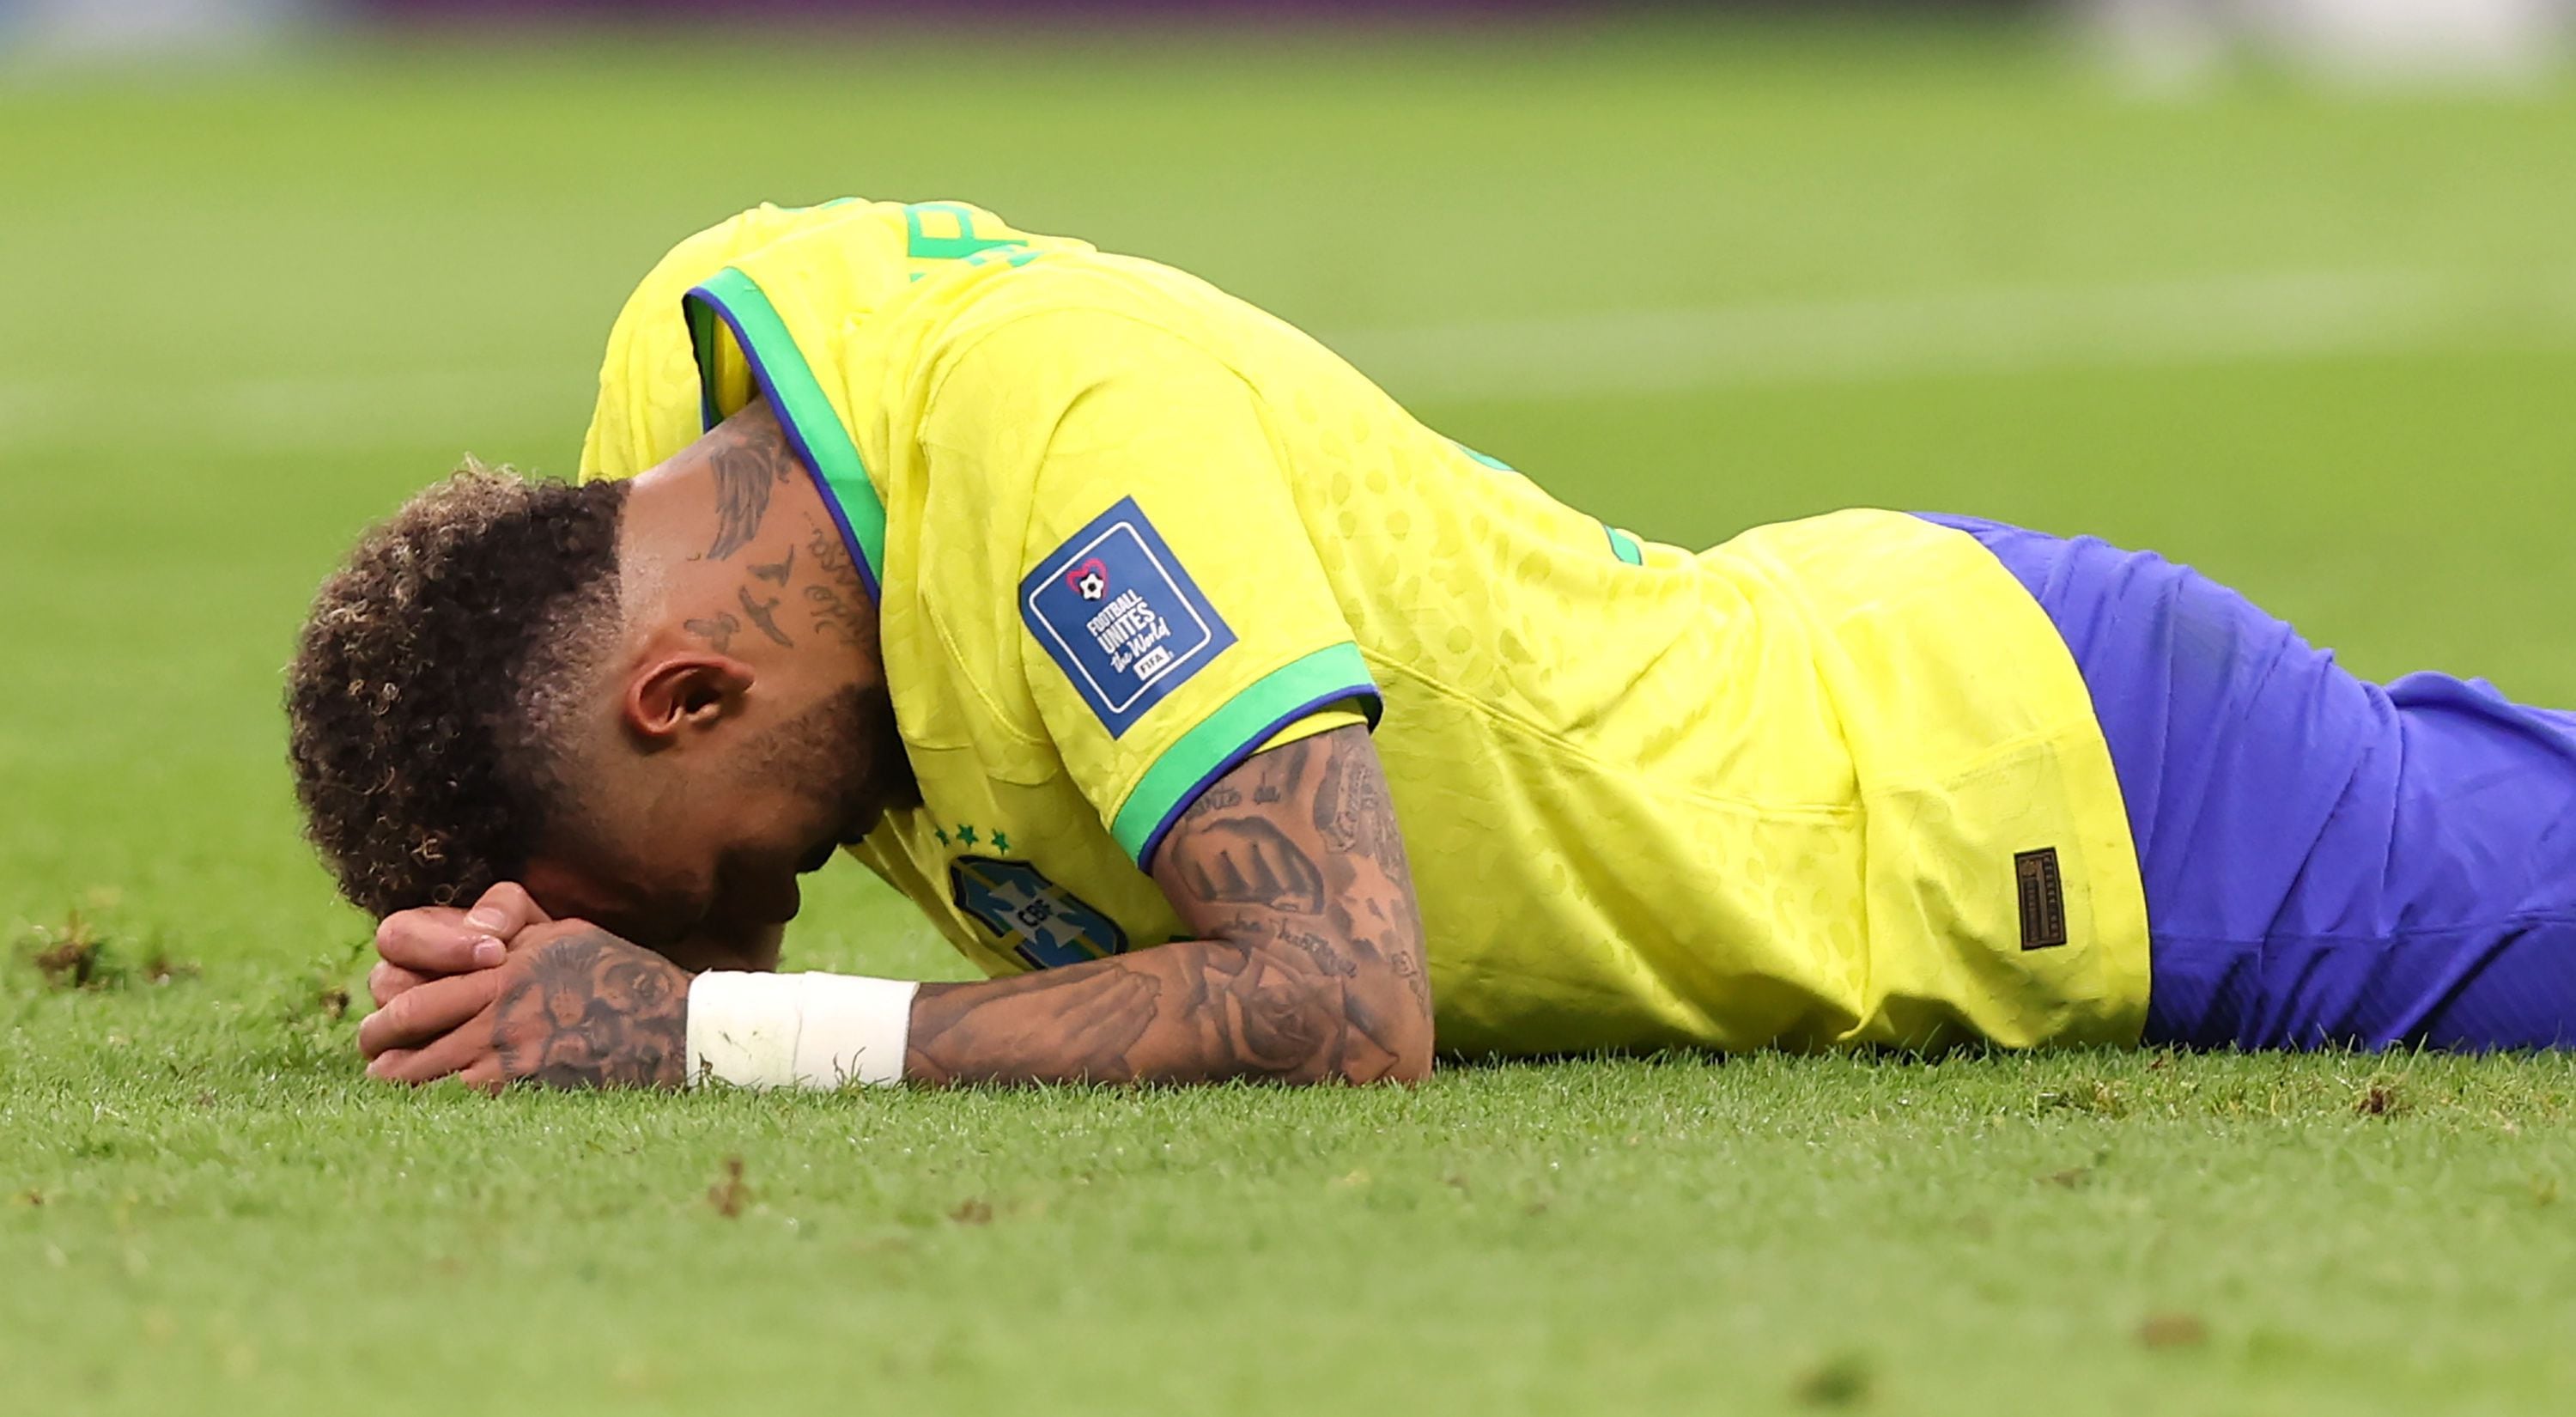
{"x":2043,"y":898}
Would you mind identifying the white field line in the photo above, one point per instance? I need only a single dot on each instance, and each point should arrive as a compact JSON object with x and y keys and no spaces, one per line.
{"x":1988,"y":331}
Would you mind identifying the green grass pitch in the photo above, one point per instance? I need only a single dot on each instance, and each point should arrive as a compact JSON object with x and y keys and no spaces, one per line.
{"x":2317,"y":343}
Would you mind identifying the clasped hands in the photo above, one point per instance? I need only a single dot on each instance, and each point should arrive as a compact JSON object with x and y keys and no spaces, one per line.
{"x":502,"y":993}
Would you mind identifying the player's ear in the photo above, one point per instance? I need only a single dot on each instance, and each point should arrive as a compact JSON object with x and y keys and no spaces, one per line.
{"x":667,"y":698}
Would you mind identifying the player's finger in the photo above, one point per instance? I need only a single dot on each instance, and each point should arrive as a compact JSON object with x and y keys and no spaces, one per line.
{"x":486,"y":1076}
{"x":464,"y":1048}
{"x":435,"y":939}
{"x":386,"y":980}
{"x":505,"y":910}
{"x":417,"y":1016}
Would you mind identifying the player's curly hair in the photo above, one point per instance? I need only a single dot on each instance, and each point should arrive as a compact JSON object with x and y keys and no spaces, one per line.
{"x":437,"y":677}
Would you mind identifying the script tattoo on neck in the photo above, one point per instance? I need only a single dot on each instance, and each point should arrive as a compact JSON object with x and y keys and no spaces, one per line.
{"x":1309,"y":967}
{"x":594,"y":1011}
{"x":829,"y":600}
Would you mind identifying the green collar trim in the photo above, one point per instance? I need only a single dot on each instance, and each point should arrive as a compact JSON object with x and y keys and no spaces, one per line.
{"x":814,"y":428}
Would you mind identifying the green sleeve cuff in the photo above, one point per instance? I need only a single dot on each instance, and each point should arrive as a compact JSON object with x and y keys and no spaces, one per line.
{"x":1226,"y":737}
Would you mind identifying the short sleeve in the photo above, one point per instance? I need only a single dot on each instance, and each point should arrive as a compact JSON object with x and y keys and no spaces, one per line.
{"x":1175,"y":617}
{"x":648,"y":400}
{"x":1321,"y":721}
{"x":651,"y":402}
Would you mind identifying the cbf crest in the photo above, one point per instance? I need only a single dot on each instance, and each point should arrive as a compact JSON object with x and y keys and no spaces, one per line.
{"x":1038,"y":920}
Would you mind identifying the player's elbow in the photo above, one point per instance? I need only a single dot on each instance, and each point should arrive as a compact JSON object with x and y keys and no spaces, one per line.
{"x":1360,"y":1018}
{"x":1407,"y":1068}
{"x":1388,"y":1030}
{"x":1357,"y":1028}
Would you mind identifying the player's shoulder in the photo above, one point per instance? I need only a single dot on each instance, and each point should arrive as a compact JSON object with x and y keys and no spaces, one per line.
{"x":1067,"y":322}
{"x":648,"y":379}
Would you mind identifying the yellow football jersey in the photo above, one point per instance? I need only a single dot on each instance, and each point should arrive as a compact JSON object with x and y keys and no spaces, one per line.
{"x":1835,"y":782}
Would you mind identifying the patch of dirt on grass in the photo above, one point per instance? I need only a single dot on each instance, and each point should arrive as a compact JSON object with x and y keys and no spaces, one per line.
{"x":161,"y":969}
{"x":729,"y":1194}
{"x":73,"y":956}
{"x":2383,"y":1098}
{"x":2172,"y":1331}
{"x":2100,"y":1099}
{"x":78,"y":956}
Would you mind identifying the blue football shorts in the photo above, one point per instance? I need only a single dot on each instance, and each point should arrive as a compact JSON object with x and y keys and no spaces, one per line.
{"x":2328,"y":862}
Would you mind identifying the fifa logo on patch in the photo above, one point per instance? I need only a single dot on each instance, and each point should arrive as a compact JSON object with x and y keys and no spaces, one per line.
{"x":1120,"y":615}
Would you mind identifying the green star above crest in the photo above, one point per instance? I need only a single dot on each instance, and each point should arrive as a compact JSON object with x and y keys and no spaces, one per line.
{"x":965,"y":836}
{"x":939,"y":832}
{"x":1001,"y":840}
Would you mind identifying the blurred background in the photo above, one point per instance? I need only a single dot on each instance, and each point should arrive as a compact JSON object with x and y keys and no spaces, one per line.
{"x":2387,"y":36}
{"x":2284,"y":287}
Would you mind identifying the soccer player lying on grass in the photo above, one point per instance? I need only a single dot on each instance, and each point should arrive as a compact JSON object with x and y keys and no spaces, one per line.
{"x":1246,"y":727}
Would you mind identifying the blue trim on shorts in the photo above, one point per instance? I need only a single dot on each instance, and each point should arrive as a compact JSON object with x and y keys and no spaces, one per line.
{"x":2328,"y":862}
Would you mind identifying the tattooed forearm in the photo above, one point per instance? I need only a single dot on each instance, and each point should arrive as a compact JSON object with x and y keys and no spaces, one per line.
{"x":1327,"y":955}
{"x":1311,"y":969}
{"x":762,"y":620}
{"x":591,"y":1010}
{"x":1075,"y":1025}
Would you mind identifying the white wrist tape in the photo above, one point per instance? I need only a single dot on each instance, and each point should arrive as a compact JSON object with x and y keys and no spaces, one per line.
{"x":798,"y":1030}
